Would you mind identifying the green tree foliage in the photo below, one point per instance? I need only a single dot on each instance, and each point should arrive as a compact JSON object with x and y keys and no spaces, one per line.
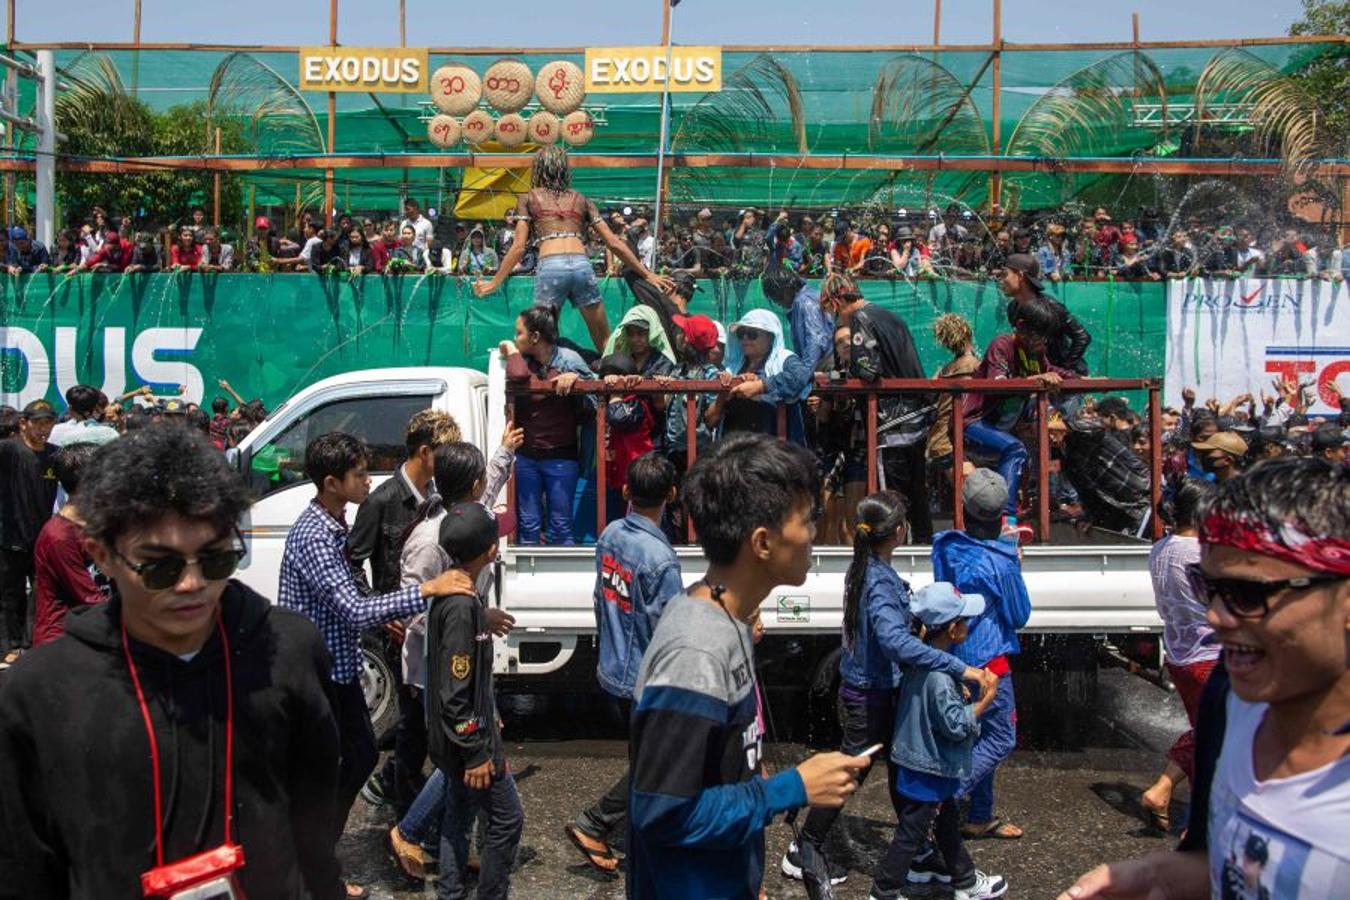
{"x":101,"y":120}
{"x":1328,"y":77}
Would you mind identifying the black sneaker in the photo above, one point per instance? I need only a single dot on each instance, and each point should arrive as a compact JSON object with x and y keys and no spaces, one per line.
{"x":791,"y":865}
{"x":927,"y":869}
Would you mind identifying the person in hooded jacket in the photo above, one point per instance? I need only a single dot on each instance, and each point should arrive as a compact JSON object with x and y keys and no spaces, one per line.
{"x":761,"y":373}
{"x":183,"y":672}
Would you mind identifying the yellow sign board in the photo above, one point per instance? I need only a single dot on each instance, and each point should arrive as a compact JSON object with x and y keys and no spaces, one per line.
{"x":633,"y":70}
{"x":399,"y":70}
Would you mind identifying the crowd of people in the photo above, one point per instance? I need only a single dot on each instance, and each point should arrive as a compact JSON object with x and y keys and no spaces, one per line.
{"x":954,"y":242}
{"x":125,"y":525}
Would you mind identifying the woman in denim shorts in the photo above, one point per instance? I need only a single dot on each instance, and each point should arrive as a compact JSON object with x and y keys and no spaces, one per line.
{"x":557,"y":219}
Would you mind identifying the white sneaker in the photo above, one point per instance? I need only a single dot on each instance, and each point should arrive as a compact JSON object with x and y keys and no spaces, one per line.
{"x":986,"y":887}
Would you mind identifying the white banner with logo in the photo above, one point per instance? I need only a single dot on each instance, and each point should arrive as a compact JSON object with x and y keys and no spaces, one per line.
{"x":1226,"y":338}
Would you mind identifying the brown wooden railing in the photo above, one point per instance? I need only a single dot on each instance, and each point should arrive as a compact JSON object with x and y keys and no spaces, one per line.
{"x":871,"y":391}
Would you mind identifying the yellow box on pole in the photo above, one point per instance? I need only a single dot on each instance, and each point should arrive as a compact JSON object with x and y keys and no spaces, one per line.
{"x":636,"y":70}
{"x":398,"y":70}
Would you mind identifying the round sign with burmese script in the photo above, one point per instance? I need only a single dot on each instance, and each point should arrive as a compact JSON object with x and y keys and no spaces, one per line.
{"x":456,"y":89}
{"x":544,"y":128}
{"x":578,"y":128}
{"x":561,"y":87}
{"x":444,"y":131}
{"x":511,"y":130}
{"x":508,"y":85}
{"x":478,"y":127}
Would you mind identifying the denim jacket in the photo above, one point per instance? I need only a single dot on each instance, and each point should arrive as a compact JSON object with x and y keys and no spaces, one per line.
{"x":636,"y":573}
{"x":935,"y":728}
{"x":884,"y":641}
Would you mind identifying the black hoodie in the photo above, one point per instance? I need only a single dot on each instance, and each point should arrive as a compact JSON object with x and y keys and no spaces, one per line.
{"x":76,"y":792}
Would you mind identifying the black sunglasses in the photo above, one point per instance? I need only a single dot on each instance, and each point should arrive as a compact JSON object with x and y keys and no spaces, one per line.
{"x":1245,"y":598}
{"x":165,"y":572}
{"x":749,"y":334}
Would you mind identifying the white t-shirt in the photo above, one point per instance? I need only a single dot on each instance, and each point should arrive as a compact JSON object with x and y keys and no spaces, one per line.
{"x":1282,"y":839}
{"x":1184,"y":627}
{"x":422,"y":230}
{"x":308,"y":250}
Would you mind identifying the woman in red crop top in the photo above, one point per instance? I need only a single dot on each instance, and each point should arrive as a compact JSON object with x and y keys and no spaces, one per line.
{"x":557,"y":218}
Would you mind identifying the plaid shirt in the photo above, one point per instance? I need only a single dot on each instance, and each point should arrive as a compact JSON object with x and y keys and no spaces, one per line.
{"x":317,"y":581}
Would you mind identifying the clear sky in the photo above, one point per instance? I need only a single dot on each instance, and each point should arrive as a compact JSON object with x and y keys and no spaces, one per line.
{"x":542,"y":23}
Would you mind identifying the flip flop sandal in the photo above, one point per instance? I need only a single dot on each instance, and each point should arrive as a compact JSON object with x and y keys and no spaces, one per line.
{"x":596,"y":857}
{"x":355,"y":891}
{"x":995,"y":828}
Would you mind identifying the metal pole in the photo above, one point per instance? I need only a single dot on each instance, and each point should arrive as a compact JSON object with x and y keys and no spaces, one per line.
{"x":1155,"y":459}
{"x":332,"y":120}
{"x":996,"y":180}
{"x":403,"y":23}
{"x":665,"y":126}
{"x":937,"y":22}
{"x":136,"y":39}
{"x":215,"y":204}
{"x":46,"y":157}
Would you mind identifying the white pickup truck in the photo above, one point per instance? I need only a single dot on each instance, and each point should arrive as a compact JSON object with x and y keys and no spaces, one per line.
{"x":1080,"y":594}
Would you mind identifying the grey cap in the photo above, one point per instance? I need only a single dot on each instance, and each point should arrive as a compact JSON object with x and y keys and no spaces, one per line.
{"x":984,"y":495}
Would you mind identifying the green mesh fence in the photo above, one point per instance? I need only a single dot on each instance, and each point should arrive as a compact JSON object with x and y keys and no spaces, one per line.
{"x":1078,"y":103}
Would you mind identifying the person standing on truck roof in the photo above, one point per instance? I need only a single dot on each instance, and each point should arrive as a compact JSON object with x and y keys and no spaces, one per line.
{"x":461,"y":477}
{"x":382,"y":523}
{"x":877,"y":642}
{"x":698,"y":806}
{"x":977,"y":561}
{"x":462,"y":720}
{"x":560,"y":220}
{"x":636,"y":574}
{"x":186,"y":715}
{"x":547,"y":463}
{"x":317,"y":581}
{"x":884,"y":348}
{"x":1270,"y":803}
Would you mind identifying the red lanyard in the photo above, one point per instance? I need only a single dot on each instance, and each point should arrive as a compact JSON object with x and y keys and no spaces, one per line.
{"x":154,"y":744}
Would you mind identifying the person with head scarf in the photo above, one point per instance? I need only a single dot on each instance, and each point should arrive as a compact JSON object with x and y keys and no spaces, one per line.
{"x":761,"y":373}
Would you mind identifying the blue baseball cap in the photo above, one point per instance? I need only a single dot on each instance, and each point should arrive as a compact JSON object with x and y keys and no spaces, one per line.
{"x":940,"y":603}
{"x":17,"y":233}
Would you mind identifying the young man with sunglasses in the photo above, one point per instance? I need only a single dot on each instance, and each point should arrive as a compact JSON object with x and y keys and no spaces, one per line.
{"x":1271,"y":808}
{"x":317,"y":580}
{"x":185,"y":715}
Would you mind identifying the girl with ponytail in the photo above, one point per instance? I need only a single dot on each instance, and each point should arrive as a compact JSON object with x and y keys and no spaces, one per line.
{"x":878,"y":644}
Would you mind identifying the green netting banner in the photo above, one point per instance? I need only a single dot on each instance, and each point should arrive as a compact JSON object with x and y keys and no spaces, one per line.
{"x":271,"y":335}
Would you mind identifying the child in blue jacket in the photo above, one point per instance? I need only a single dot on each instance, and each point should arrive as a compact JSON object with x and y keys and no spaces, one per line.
{"x":935,"y":729}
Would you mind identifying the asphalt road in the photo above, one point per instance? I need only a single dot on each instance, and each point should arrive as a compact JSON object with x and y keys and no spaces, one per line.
{"x":1078,"y":803}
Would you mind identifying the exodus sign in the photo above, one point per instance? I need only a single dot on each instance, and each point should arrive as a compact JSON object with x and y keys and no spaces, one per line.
{"x":366,"y":69}
{"x":617,"y":70}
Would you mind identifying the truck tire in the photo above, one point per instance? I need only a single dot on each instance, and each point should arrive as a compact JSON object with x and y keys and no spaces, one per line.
{"x":381,"y":690}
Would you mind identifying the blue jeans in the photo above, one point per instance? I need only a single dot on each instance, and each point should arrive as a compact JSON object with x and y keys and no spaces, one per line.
{"x":505,"y":819}
{"x":565,"y":276}
{"x":1011,"y":453}
{"x":998,"y":737}
{"x":536,"y":479}
{"x":422,"y":823}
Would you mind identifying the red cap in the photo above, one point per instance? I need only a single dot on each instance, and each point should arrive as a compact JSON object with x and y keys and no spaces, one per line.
{"x":699,"y":331}
{"x":261,"y":222}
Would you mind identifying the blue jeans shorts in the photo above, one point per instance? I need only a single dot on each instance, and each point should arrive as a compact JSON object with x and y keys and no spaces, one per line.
{"x":563,"y":277}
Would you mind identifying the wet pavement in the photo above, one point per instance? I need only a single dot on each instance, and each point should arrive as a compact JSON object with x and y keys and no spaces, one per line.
{"x":1078,"y":802}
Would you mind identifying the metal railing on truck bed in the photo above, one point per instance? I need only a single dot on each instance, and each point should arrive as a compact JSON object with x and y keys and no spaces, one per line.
{"x":871,"y":392}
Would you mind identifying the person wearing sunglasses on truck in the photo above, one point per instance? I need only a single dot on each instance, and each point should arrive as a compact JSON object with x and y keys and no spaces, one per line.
{"x":180,"y":734}
{"x":1270,"y":806}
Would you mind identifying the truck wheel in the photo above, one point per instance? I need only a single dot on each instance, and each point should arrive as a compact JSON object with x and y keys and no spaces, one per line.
{"x":379,"y":687}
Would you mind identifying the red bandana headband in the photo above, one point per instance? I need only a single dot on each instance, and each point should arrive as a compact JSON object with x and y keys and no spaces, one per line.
{"x":1290,"y":543}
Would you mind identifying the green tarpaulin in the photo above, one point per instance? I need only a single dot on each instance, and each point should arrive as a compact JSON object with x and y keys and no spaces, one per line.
{"x":271,"y":335}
